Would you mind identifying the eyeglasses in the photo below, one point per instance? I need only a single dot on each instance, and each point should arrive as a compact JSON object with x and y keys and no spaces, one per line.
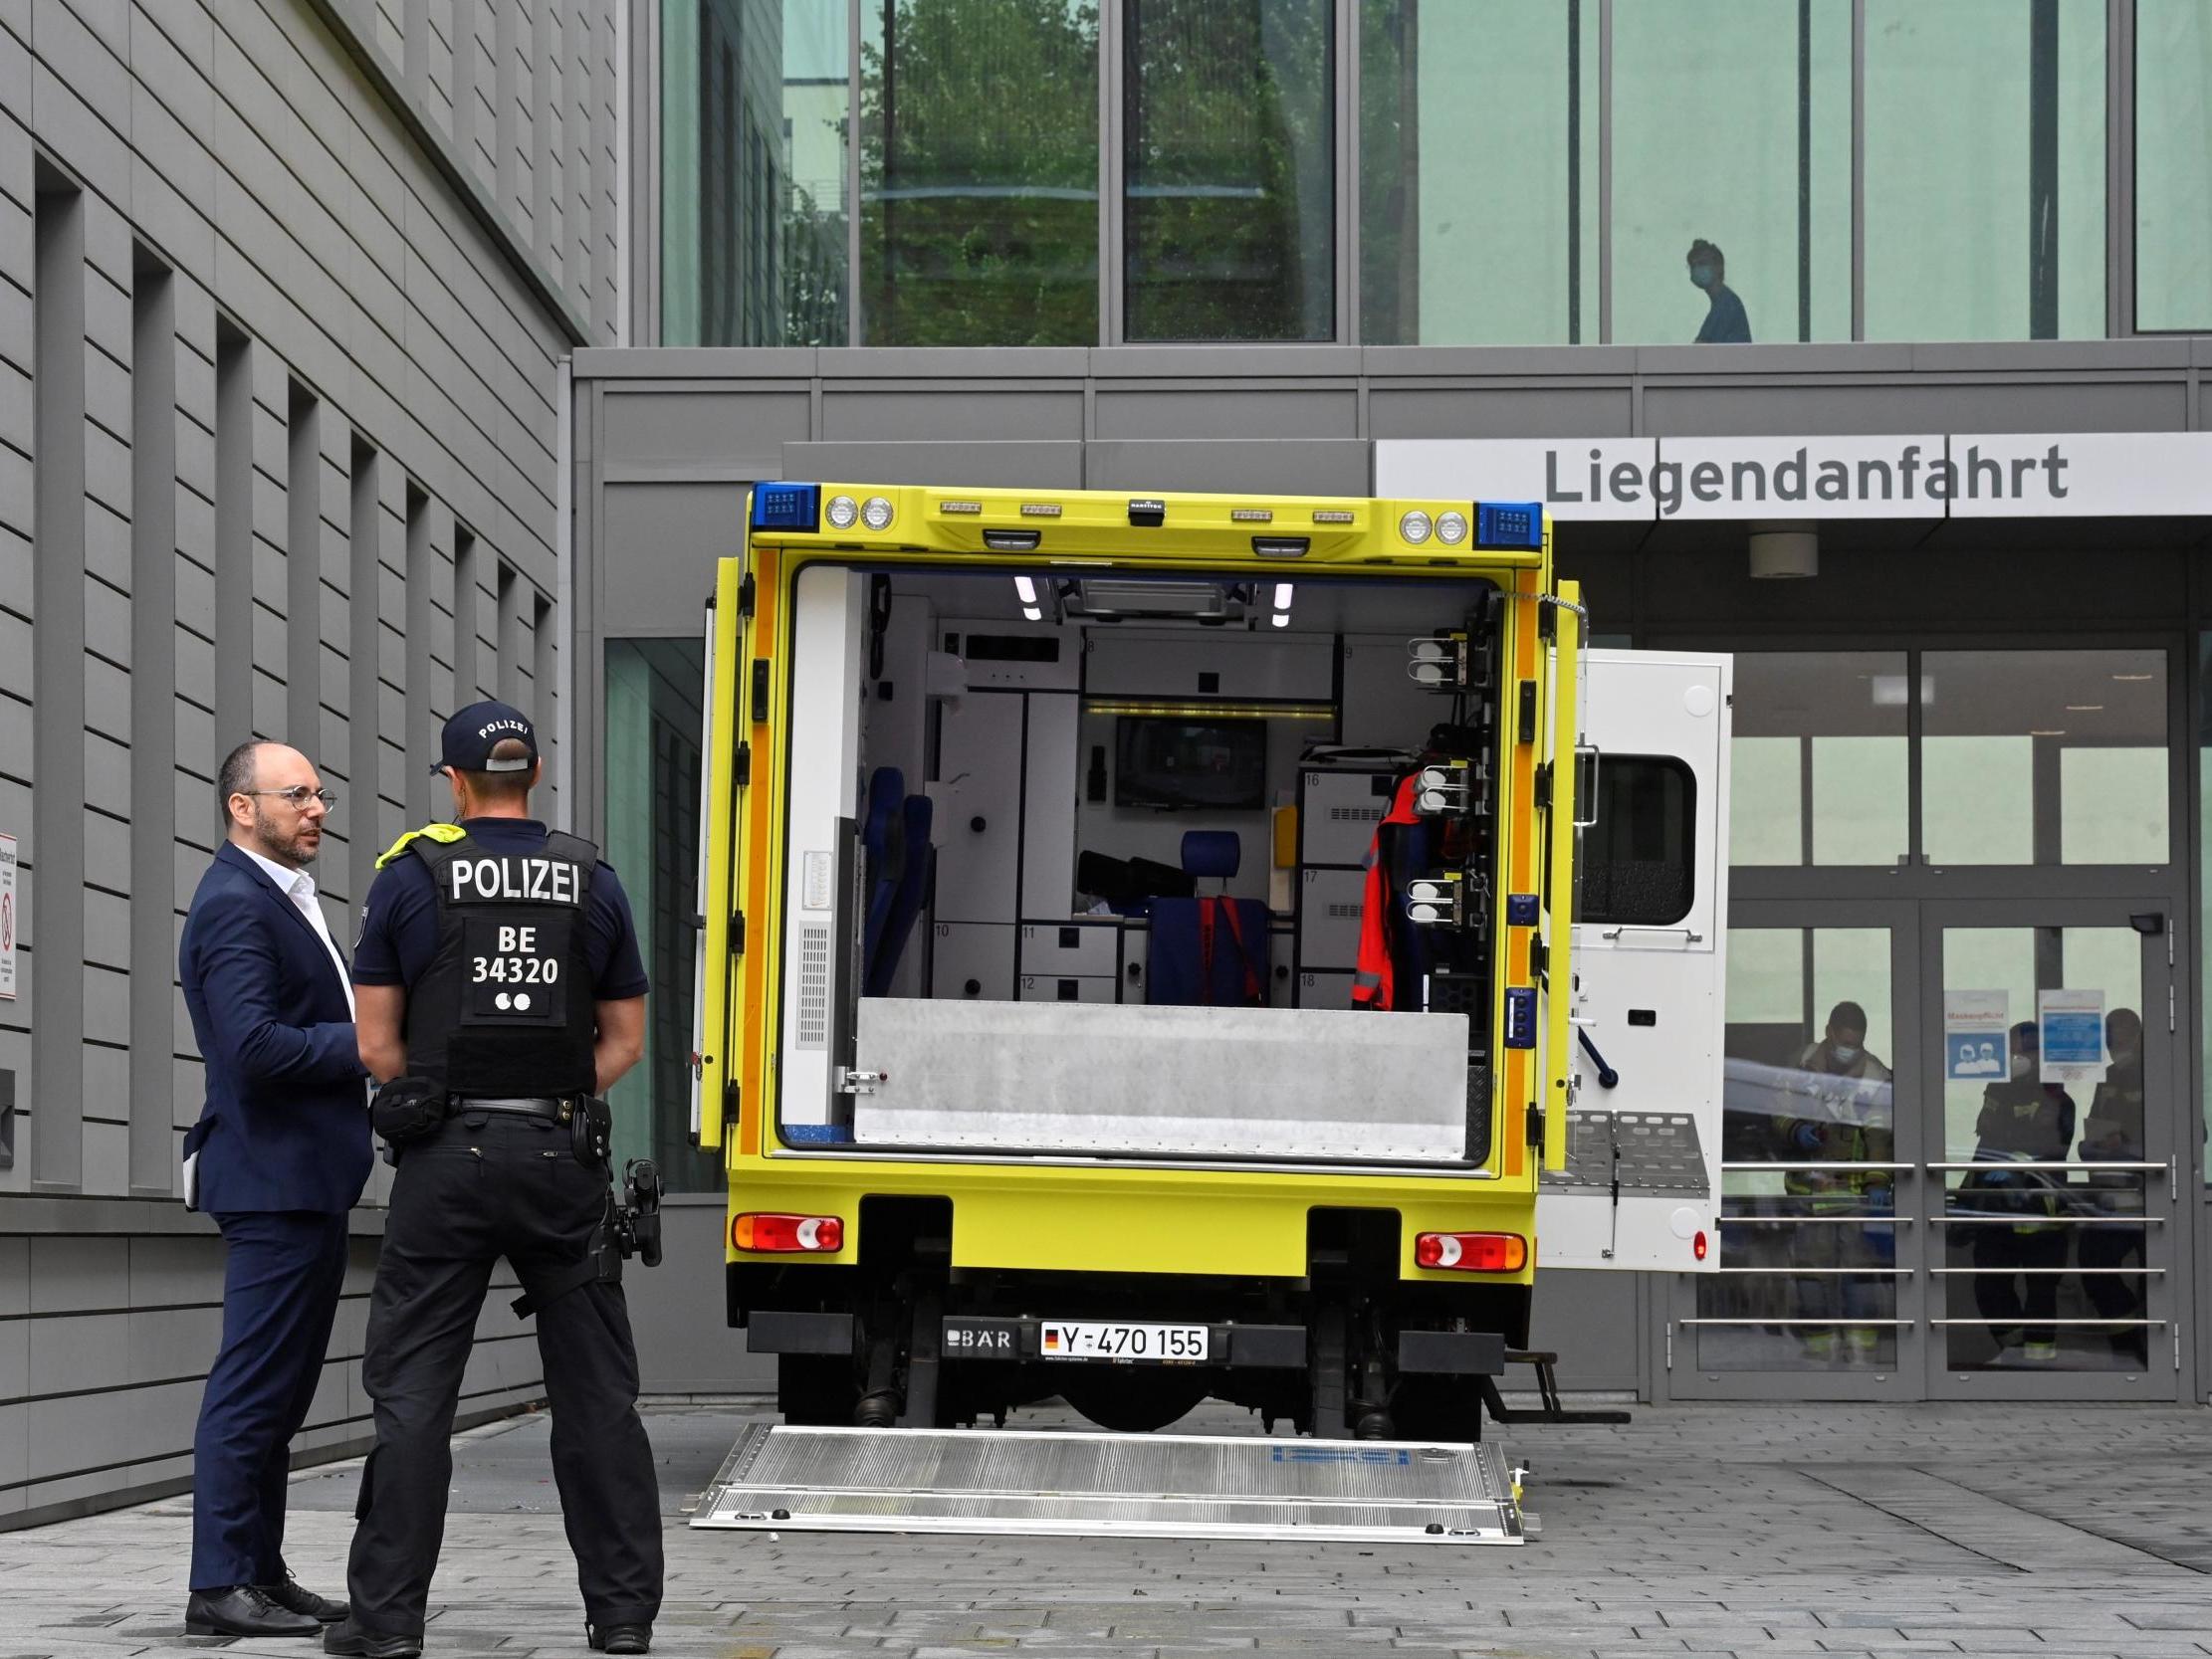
{"x":297,"y":796}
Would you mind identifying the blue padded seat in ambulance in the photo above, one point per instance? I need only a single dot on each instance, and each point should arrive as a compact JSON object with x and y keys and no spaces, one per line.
{"x":883,"y":848}
{"x":1209,"y":951}
{"x":915,"y":815}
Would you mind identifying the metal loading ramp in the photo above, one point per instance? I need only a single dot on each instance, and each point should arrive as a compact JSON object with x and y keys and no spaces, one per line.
{"x":861,"y":1480}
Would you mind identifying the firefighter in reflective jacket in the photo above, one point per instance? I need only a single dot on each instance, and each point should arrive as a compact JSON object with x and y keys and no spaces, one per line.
{"x":1391,"y":948}
{"x":501,"y":993}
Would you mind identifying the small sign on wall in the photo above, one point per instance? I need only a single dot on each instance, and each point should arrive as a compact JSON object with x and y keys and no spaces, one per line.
{"x":7,"y":917}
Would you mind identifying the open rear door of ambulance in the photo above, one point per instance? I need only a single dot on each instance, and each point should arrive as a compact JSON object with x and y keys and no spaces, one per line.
{"x":1641,"y":1184}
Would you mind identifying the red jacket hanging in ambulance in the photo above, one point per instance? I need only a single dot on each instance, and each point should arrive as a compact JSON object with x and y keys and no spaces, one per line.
{"x":1391,"y":953}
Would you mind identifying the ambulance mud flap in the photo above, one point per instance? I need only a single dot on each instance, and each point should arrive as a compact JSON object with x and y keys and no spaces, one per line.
{"x":1049,"y":1482}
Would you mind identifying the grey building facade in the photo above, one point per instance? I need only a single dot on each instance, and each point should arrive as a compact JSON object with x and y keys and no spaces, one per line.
{"x":1281,"y":248}
{"x":286,"y":290}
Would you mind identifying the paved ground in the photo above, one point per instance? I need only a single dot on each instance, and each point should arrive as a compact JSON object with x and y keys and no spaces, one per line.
{"x":1802,"y":1531}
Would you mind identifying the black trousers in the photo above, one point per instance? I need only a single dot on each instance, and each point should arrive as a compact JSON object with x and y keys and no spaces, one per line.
{"x":489,"y":1186}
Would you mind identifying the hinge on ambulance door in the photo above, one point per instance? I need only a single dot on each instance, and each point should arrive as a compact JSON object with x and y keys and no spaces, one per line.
{"x":1525,"y":723}
{"x":737,"y":932}
{"x":1542,"y":790}
{"x":1539,"y":959}
{"x":760,"y":691}
{"x":743,"y":769}
{"x":745,"y":594}
{"x":732,"y":1097}
{"x":1535,"y":1126}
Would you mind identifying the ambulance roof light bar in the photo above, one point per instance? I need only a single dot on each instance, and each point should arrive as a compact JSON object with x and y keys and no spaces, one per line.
{"x":787,"y":507}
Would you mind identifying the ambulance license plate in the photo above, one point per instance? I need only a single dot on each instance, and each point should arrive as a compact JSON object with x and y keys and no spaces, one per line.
{"x":1120,"y":1339}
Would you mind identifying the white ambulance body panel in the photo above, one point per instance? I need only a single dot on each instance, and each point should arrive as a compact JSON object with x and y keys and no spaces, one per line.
{"x":1651,"y":964}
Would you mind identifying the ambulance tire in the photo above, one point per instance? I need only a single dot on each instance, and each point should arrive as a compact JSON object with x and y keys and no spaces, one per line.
{"x":816,"y":1391}
{"x":1129,"y":1400}
{"x":1444,"y":1409}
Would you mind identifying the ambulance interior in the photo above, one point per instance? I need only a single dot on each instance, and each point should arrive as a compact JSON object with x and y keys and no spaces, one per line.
{"x":1077,"y":864}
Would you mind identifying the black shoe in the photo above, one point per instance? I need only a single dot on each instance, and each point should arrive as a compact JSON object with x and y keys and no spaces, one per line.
{"x":619,"y":1639}
{"x":364,"y":1643}
{"x":295,"y":1597}
{"x":243,"y":1611}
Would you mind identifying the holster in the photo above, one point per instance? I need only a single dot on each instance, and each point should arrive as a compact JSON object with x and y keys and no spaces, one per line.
{"x":406,"y":1108}
{"x":592,"y":1133}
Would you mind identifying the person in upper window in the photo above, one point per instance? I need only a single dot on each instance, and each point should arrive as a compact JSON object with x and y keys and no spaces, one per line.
{"x":1726,"y":322}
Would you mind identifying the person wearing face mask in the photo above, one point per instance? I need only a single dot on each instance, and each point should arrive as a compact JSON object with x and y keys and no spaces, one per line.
{"x":2023,"y":1120}
{"x":2113,"y":1133}
{"x":1847,"y":1121}
{"x":1726,"y":322}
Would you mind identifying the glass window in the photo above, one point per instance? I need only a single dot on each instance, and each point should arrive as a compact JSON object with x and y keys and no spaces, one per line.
{"x":2044,"y":1267}
{"x":753,"y":172}
{"x":1731,"y":171}
{"x":979,"y":173}
{"x":1478,"y":172}
{"x":2173,"y":164}
{"x":1808,"y":1122}
{"x":1639,"y":860}
{"x":2044,"y":758}
{"x":1817,"y":763}
{"x":1229,"y":182}
{"x":1985,"y":208}
{"x":653,"y":721}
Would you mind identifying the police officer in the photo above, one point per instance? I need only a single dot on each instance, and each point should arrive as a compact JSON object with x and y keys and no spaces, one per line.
{"x":499,"y":983}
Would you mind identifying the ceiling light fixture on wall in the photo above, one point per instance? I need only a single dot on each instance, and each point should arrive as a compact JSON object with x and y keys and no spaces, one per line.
{"x":1786,"y":548}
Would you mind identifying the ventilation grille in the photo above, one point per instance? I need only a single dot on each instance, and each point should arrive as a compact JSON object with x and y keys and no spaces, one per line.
{"x":1343,"y":913}
{"x":1355,"y":814}
{"x":813,"y":986}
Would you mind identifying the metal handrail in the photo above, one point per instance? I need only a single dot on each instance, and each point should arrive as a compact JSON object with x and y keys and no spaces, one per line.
{"x":2008,"y":1271}
{"x":2032,"y":1323}
{"x":1899,"y":1323}
{"x":2007,"y":1164}
{"x":1810,"y":1168}
{"x":2042,"y":1218}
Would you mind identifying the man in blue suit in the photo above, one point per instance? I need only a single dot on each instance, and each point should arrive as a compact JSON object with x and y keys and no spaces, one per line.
{"x":279,"y":1154}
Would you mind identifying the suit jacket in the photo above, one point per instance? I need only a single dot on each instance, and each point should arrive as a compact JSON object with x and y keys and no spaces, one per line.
{"x":285,"y":1123}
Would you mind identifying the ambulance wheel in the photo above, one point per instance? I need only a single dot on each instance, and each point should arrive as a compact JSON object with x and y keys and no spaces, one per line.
{"x":1445,"y":1409}
{"x":816,"y":1391}
{"x":1127,"y":1401}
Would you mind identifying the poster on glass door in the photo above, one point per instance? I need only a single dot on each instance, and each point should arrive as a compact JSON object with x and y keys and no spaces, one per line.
{"x":2071,"y":1028}
{"x":1974,"y":1042}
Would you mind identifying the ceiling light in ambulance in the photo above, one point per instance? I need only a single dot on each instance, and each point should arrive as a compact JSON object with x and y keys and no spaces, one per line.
{"x":1282,"y":619}
{"x":1025,"y":590}
{"x":843,"y":512}
{"x":1031,"y":613}
{"x":1282,"y":595}
{"x":1188,"y":601}
{"x":1472,"y":1252}
{"x":1452,"y":529}
{"x":876,"y":515}
{"x":1414,"y":527}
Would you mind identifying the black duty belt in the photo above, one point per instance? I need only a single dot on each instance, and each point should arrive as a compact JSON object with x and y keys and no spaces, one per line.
{"x":519,"y":1106}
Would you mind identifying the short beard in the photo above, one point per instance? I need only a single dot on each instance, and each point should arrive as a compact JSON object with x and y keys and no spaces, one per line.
{"x":275,"y":846}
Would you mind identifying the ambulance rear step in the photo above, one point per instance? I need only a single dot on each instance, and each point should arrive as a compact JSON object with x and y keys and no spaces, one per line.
{"x":869,"y":1479}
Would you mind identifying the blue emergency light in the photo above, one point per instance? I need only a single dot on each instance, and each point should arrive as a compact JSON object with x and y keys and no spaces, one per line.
{"x":1516,"y":525}
{"x":787,"y":507}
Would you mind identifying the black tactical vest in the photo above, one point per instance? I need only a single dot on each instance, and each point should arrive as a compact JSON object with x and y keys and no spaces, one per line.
{"x":506,"y":1007}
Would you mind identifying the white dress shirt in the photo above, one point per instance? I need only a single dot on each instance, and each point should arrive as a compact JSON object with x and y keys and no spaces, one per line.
{"x":299,"y":886}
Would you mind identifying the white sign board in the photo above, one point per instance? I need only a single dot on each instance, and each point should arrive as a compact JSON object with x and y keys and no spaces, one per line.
{"x":1574,"y":478}
{"x":7,"y":917}
{"x":1802,"y":477}
{"x":1976,"y":1044}
{"x":2083,"y":475}
{"x":2073,"y":1035}
{"x":2019,"y":475}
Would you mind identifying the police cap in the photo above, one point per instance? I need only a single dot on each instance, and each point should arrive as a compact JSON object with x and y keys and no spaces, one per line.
{"x":469,"y":737}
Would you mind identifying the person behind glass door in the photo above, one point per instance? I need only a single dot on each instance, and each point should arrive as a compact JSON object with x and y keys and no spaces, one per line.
{"x":2021,"y":1243}
{"x":1847,"y":1121}
{"x":1726,"y":322}
{"x":2113,"y":1133}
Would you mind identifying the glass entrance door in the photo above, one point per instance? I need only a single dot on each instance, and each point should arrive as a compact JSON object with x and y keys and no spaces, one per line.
{"x":1947,"y":1156}
{"x":2047,"y":1195}
{"x":1818,"y":1294}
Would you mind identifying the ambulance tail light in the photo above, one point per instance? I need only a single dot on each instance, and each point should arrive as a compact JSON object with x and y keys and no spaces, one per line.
{"x":787,"y":1234}
{"x":1472,"y":1252}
